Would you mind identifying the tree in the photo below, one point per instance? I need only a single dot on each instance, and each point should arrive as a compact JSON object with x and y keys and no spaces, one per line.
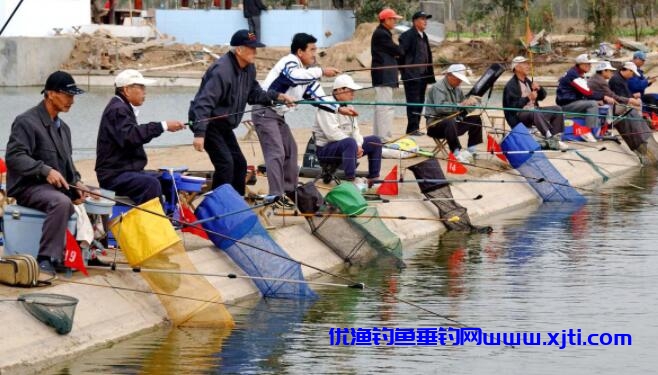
{"x":507,"y":26}
{"x":600,"y":14}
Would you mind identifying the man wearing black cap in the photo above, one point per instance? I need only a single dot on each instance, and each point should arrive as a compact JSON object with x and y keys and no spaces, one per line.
{"x":417,"y":51}
{"x":40,"y":167}
{"x":226,"y":88}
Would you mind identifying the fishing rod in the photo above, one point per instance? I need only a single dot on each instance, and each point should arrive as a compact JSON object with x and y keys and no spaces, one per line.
{"x":452,"y":219}
{"x":383,"y":200}
{"x":453,"y":180}
{"x":226,"y":275}
{"x":379,"y":291}
{"x":11,"y":16}
{"x":268,"y":200}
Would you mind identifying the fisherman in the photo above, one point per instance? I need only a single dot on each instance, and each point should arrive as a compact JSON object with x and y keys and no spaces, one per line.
{"x":297,"y":76}
{"x":633,"y":128}
{"x":40,"y":168}
{"x":120,"y":155}
{"x":384,"y":53}
{"x":451,"y":122}
{"x":226,"y":88}
{"x":416,"y":48}
{"x":638,"y":84}
{"x":337,"y":136}
{"x":521,"y":92}
{"x":573,"y":94}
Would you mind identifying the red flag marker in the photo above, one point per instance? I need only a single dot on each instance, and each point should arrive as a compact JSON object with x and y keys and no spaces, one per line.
{"x":493,"y":146}
{"x":73,"y":254}
{"x":454,"y":166}
{"x":580,"y":129}
{"x":389,"y":188}
{"x":187,"y":216}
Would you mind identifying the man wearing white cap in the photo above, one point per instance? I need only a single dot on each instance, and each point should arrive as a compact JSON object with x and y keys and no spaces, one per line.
{"x":337,"y":136}
{"x":573,"y":94}
{"x":120,"y":155}
{"x":447,"y":91}
{"x":520,"y":92}
{"x":384,"y":53}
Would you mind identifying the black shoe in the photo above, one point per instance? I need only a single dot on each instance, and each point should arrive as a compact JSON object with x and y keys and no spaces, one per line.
{"x":416,"y":133}
{"x":95,"y":262}
{"x":61,"y":268}
{"x":46,"y":266}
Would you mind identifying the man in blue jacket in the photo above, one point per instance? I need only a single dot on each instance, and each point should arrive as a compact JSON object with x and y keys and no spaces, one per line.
{"x":384,"y":54}
{"x":573,"y":94}
{"x":226,"y":88}
{"x":417,"y":51}
{"x":638,"y":84}
{"x":120,"y":155}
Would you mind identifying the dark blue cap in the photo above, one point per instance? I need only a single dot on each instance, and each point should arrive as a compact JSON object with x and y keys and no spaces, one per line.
{"x":245,"y":38}
{"x":63,"y":82}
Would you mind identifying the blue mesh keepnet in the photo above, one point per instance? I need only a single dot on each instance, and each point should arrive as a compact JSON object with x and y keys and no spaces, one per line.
{"x":554,"y":188}
{"x":246,"y":228}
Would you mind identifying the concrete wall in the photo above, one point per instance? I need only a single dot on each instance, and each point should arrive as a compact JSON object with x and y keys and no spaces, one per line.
{"x":29,"y":61}
{"x":39,"y":17}
{"x":277,"y":26}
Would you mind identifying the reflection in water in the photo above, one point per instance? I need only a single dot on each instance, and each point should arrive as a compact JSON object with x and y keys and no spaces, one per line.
{"x":590,"y":267}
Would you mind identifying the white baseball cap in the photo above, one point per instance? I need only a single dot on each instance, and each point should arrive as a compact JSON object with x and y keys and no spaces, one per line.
{"x":604,"y":65}
{"x":584,"y":59}
{"x":517,"y":60}
{"x":632,"y":67}
{"x":458,"y":71}
{"x":131,"y":77}
{"x":344,"y":80}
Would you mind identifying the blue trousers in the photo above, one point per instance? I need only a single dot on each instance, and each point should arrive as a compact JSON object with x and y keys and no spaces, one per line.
{"x":139,"y":186}
{"x":345,"y":150}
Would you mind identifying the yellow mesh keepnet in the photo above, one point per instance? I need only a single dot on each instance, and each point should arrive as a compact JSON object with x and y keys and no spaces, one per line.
{"x":151,"y":242}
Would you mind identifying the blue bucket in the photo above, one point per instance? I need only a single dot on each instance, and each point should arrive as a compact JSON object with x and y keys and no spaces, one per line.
{"x":519,"y":139}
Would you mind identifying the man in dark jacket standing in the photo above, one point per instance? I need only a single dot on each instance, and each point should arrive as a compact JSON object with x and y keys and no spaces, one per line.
{"x":520,"y":92}
{"x":40,"y":167}
{"x":251,"y":10}
{"x":226,"y":88}
{"x":384,"y":53}
{"x":120,"y":155}
{"x":416,"y":48}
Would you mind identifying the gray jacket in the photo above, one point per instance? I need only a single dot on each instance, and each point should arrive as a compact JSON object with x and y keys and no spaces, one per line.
{"x":35,"y":147}
{"x":442,"y":93}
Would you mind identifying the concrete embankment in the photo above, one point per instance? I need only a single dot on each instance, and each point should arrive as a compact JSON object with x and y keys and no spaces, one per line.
{"x":106,"y":315}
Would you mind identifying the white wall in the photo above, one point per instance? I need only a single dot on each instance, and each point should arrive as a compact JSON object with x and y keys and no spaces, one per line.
{"x":39,"y":17}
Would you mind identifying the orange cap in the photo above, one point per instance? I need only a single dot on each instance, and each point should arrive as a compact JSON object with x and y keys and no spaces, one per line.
{"x":388,"y":13}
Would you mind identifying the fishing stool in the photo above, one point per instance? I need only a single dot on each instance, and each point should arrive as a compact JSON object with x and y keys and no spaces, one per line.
{"x":251,"y":131}
{"x":328,"y":172}
{"x":441,"y":146}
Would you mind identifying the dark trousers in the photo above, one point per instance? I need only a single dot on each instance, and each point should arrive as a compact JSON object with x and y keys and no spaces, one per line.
{"x":553,"y":122}
{"x":634,"y":130}
{"x":414,"y":91}
{"x":254,"y":25}
{"x":139,"y":186}
{"x":451,"y":129}
{"x":345,"y":150}
{"x":652,"y":100}
{"x":227,"y":158}
{"x":58,"y":208}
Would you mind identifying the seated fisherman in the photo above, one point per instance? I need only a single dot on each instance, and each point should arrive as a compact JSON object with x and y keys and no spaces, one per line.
{"x":40,"y":169}
{"x":521,"y":92}
{"x":338,"y":138}
{"x":638,"y":84}
{"x":610,"y":82}
{"x":448,"y":91}
{"x":120,"y":155}
{"x":573,"y":94}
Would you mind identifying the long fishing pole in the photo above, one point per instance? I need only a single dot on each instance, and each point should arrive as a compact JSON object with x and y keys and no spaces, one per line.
{"x":452,"y":219}
{"x":400,"y":200}
{"x":226,"y":275}
{"x":379,"y":291}
{"x":11,"y":16}
{"x":453,"y":180}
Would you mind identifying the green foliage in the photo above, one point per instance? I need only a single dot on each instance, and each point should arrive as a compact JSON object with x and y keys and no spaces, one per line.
{"x":367,"y":10}
{"x":600,"y":13}
{"x":507,"y":16}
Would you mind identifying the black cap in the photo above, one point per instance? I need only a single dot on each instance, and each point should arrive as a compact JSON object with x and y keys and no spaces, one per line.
{"x":62,"y":81}
{"x":421,"y":14}
{"x":245,"y":38}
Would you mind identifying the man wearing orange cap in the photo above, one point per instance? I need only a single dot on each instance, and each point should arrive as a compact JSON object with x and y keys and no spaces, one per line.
{"x":384,"y":53}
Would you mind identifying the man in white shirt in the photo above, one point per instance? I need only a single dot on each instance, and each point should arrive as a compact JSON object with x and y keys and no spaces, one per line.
{"x":338,"y":138}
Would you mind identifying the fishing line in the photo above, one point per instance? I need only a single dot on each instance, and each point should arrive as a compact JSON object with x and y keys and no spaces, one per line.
{"x":379,"y":291}
{"x":452,"y":219}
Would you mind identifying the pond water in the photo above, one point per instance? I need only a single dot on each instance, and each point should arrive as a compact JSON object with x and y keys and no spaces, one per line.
{"x":592,"y":267}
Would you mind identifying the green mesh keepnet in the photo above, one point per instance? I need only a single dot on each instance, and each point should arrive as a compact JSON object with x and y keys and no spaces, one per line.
{"x":55,"y":310}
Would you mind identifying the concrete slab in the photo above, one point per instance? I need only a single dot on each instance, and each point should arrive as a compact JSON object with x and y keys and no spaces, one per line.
{"x":44,"y":54}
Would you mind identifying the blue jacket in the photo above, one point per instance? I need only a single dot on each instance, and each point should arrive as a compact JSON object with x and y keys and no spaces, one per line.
{"x":568,"y":91}
{"x":638,"y":84}
{"x":121,"y":140}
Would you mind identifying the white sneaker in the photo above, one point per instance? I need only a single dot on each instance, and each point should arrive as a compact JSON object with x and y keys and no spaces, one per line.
{"x":465,"y":157}
{"x":588,"y":137}
{"x":361,"y":184}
